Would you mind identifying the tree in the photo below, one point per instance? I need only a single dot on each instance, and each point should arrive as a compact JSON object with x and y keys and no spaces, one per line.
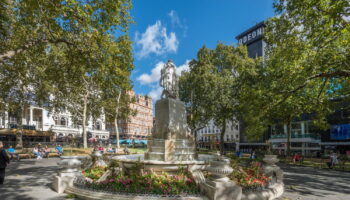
{"x":70,"y":47}
{"x":216,"y":75}
{"x":192,"y":92}
{"x":311,"y":39}
{"x":307,"y":65}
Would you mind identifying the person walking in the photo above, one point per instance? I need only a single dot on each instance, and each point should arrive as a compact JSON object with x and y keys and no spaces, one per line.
{"x":4,"y":161}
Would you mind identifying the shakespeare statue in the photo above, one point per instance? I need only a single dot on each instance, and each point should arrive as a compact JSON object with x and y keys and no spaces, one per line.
{"x":169,"y":81}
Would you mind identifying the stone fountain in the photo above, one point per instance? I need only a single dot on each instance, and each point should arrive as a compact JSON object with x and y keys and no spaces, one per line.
{"x":170,"y":149}
{"x":171,"y":139}
{"x":171,"y":145}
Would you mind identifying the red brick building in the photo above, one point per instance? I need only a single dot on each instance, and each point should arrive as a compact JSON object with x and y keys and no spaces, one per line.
{"x":140,"y":125}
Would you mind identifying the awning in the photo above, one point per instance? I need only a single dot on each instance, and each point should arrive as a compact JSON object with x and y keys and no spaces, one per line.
{"x":26,"y":132}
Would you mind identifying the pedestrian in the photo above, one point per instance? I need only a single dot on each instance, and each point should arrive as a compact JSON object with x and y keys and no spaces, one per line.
{"x":333,"y":160}
{"x":13,"y":153}
{"x":4,"y":161}
{"x":296,"y":158}
{"x":253,"y":155}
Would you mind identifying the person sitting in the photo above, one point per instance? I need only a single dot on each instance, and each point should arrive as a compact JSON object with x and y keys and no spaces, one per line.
{"x":101,"y":149}
{"x":95,"y":148}
{"x":37,"y":153}
{"x":46,"y":151}
{"x":110,"y":150}
{"x":59,"y":150}
{"x":13,"y":153}
{"x":126,"y":150}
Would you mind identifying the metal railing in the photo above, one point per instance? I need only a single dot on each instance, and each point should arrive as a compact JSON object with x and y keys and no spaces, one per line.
{"x":308,"y":135}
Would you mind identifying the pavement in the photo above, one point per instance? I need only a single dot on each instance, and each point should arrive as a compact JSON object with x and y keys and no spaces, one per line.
{"x":31,"y":179}
{"x":307,"y":183}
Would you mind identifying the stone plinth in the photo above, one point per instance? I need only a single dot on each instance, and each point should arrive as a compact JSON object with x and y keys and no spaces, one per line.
{"x":170,"y":120}
{"x":171,"y":139}
{"x":170,"y":150}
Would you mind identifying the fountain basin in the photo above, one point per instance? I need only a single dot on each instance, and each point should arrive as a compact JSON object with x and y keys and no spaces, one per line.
{"x":127,"y":162}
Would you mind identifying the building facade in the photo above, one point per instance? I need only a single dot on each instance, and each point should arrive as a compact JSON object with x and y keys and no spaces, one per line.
{"x":253,"y":38}
{"x":40,"y":125}
{"x":209,"y":136}
{"x":140,"y":125}
{"x":306,"y":138}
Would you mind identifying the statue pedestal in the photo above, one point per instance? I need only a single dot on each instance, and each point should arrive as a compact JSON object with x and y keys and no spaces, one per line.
{"x":171,"y":140}
{"x":170,"y":150}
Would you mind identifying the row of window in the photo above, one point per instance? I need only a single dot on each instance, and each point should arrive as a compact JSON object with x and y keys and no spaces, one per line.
{"x":298,"y":128}
{"x":217,"y":138}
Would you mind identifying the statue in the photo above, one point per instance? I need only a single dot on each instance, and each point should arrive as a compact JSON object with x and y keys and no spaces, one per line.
{"x":169,"y":81}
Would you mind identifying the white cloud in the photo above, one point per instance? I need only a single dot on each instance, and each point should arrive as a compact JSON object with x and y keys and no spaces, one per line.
{"x":152,"y":79}
{"x":184,"y":67}
{"x":154,"y":76}
{"x":175,"y":20}
{"x":156,"y":93}
{"x":156,"y":40}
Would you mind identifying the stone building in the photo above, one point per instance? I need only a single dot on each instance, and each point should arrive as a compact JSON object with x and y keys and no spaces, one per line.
{"x":140,"y":125}
{"x":40,"y":125}
{"x":209,"y":136}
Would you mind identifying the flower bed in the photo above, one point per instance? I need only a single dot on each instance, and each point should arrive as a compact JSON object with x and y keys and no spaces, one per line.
{"x":94,"y":173}
{"x":146,"y":183}
{"x":250,"y":178}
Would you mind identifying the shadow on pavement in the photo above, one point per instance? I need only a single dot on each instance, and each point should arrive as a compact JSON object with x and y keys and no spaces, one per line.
{"x":308,"y":181}
{"x":30,"y":180}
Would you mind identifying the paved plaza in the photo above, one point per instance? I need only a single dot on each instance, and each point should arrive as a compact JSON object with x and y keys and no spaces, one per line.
{"x":306,"y":183}
{"x":31,"y":180}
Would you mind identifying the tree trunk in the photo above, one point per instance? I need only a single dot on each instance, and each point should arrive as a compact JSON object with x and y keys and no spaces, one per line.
{"x":84,"y":121}
{"x":194,"y":133}
{"x":289,"y":136}
{"x":222,"y":135}
{"x":19,"y":132}
{"x":116,"y":120}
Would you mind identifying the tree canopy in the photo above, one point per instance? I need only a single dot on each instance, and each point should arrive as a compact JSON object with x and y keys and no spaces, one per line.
{"x":62,"y":52}
{"x":212,"y":84}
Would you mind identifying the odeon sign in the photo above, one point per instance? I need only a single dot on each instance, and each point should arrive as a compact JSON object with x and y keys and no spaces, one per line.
{"x":251,"y":36}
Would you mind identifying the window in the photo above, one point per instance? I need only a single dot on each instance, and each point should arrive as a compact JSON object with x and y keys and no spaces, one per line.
{"x":277,"y":129}
{"x":63,"y":121}
{"x":296,"y":128}
{"x":98,"y":125}
{"x":345,"y":114}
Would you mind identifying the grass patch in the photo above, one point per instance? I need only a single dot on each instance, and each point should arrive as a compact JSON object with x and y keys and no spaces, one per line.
{"x":71,"y":196}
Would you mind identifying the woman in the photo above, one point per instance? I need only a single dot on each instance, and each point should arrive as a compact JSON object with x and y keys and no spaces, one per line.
{"x":47,"y":151}
{"x":37,"y":153}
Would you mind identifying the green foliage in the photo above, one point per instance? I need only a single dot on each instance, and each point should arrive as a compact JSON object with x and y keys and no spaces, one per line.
{"x":64,"y":54}
{"x":212,"y":85}
{"x":148,"y":183}
{"x":94,"y":173}
{"x":306,"y":66}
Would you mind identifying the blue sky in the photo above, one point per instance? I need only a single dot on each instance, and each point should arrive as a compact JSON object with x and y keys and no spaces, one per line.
{"x":176,"y":29}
